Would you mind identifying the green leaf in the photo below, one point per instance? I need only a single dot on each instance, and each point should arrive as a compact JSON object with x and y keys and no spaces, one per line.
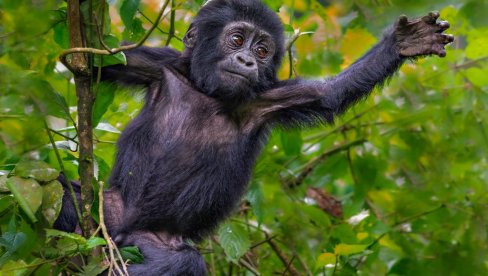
{"x":136,"y":32}
{"x":11,"y":241}
{"x":53,"y":233}
{"x":37,"y":170}
{"x":234,"y":240}
{"x":14,"y":268}
{"x":52,"y":200}
{"x":5,"y":202}
{"x":3,"y":183}
{"x":349,"y":249}
{"x":128,"y":10}
{"x":106,"y":60}
{"x":94,"y":268}
{"x":105,"y":97}
{"x":61,"y":35}
{"x":28,"y":194}
{"x":325,"y":259}
{"x":132,"y":254}
{"x":292,"y":141}
{"x":477,"y":48}
{"x":255,"y":197}
{"x":94,"y":242}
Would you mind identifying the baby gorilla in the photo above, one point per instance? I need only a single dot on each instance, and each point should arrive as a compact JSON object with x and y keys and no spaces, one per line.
{"x":184,"y":162}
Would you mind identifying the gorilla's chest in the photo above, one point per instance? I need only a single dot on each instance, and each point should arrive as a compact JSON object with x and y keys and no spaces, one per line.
{"x":189,"y":123}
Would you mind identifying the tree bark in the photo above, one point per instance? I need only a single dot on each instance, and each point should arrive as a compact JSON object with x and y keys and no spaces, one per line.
{"x":82,"y":76}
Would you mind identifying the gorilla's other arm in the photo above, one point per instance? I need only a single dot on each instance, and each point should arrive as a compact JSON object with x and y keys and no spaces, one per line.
{"x":305,"y":102}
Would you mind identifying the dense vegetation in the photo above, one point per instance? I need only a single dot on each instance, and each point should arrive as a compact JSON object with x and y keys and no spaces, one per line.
{"x":397,"y":186}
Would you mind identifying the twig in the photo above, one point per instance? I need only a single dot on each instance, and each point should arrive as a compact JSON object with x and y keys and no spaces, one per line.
{"x":61,"y":166}
{"x":310,"y":166}
{"x":159,"y":29}
{"x":72,"y":139}
{"x":112,"y":247}
{"x":63,"y":56}
{"x":304,"y":265}
{"x":416,"y":216}
{"x":284,"y":259}
{"x":249,"y":267}
{"x":288,"y":266}
{"x":262,"y":242}
{"x":171,"y":32}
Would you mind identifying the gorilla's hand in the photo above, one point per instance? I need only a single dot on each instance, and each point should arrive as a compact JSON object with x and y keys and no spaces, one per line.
{"x":422,"y":36}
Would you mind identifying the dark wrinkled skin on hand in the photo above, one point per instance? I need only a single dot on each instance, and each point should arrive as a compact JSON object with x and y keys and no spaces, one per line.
{"x":422,"y":36}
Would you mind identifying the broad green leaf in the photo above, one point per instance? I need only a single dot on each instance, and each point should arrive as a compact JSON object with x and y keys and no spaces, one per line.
{"x":106,"y":60}
{"x":11,"y":241}
{"x":234,"y":240}
{"x":94,"y":242}
{"x":477,"y":48}
{"x":28,"y":194}
{"x":292,"y":142}
{"x":61,"y":35}
{"x":53,"y":233}
{"x":478,"y":76}
{"x":136,"y":32}
{"x":325,"y":259}
{"x":94,"y":268}
{"x":349,"y":249}
{"x":255,"y":198}
{"x":5,"y":202}
{"x":105,"y":97}
{"x":52,"y":200}
{"x":132,"y":254}
{"x":14,"y":268}
{"x":37,"y":170}
{"x":128,"y":10}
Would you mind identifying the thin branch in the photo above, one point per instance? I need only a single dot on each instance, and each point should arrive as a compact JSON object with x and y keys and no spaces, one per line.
{"x":171,"y":23}
{"x":63,"y":56}
{"x":159,"y":29}
{"x":61,"y":166}
{"x":284,"y":259}
{"x":310,"y":166}
{"x":112,"y":247}
{"x":72,"y":139}
{"x":249,"y":267}
{"x":288,"y":266}
{"x":416,"y":216}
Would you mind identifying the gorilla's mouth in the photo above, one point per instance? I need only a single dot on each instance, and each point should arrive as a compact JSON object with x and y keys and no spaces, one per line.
{"x":237,"y":74}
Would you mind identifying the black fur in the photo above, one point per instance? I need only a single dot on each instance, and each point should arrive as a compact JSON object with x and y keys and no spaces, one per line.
{"x":184,"y":162}
{"x":67,"y":219}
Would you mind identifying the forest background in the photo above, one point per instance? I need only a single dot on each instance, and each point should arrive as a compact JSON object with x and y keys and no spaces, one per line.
{"x":397,"y":186}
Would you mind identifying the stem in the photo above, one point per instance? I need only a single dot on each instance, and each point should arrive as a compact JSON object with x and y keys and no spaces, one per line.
{"x":172,"y":23}
{"x":284,"y":259}
{"x":82,"y":76}
{"x":61,"y":166}
{"x":112,"y":248}
{"x":76,"y":50}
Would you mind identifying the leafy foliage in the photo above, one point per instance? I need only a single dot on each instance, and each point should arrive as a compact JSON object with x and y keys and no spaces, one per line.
{"x":408,"y":165}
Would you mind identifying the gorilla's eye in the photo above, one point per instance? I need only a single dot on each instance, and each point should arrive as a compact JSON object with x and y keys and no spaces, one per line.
{"x":262,"y":52}
{"x":238,"y":40}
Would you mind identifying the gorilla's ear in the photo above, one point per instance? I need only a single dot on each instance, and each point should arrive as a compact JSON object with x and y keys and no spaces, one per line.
{"x":190,"y":37}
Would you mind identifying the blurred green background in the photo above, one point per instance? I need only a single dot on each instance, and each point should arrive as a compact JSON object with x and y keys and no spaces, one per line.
{"x":398,"y":186}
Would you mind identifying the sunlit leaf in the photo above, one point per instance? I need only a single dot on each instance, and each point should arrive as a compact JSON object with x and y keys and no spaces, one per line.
{"x":37,"y":170}
{"x":28,"y":194}
{"x":52,"y":195}
{"x":234,"y":239}
{"x":349,"y":249}
{"x":325,"y":259}
{"x":132,"y":254}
